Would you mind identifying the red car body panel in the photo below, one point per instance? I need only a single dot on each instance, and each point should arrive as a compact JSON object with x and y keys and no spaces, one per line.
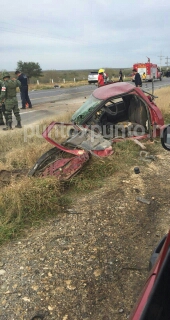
{"x":65,"y":168}
{"x":149,"y":285}
{"x":105,"y":92}
{"x":57,"y":145}
{"x":101,"y":153}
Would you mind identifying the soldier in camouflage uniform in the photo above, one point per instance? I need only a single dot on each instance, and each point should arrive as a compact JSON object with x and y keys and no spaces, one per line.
{"x":2,"y":110}
{"x":8,"y":93}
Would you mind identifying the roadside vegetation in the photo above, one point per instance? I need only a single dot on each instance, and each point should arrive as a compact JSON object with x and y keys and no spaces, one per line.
{"x":163,"y":102}
{"x":59,"y":76}
{"x":25,"y":202}
{"x":63,"y":78}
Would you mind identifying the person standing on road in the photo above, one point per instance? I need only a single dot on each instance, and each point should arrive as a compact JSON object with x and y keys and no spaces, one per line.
{"x":138,"y":81}
{"x":8,"y":95}
{"x":120,"y":76}
{"x":144,"y":76}
{"x":24,"y":89}
{"x":101,"y":80}
{"x":106,"y":78}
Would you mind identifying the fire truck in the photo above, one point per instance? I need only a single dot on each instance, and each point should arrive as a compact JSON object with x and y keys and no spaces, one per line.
{"x":148,"y":71}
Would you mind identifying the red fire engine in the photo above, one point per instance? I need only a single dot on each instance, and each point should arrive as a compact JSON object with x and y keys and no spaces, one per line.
{"x":148,"y":71}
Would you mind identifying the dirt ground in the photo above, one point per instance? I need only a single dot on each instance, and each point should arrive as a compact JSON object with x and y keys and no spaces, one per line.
{"x":91,"y":261}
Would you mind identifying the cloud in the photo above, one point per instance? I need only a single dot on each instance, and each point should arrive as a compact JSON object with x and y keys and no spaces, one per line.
{"x":76,"y":34}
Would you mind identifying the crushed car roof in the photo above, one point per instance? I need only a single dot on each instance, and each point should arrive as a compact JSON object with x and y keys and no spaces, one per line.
{"x":111,"y":90}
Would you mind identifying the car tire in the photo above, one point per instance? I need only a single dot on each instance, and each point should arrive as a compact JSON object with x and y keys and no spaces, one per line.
{"x":44,"y":160}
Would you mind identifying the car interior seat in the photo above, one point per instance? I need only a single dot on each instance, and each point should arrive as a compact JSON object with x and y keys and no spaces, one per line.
{"x":137,"y":112}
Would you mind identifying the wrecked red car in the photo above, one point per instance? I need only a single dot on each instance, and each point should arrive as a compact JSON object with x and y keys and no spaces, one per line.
{"x":113,"y":112}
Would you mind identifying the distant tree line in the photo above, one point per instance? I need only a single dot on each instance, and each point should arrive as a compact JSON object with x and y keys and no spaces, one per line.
{"x":57,"y":76}
{"x":34,"y":73}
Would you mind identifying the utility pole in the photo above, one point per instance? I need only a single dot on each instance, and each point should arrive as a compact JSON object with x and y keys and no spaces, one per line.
{"x":167,"y":58}
{"x":160,"y":60}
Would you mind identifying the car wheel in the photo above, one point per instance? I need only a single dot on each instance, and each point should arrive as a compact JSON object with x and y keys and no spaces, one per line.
{"x":44,"y":160}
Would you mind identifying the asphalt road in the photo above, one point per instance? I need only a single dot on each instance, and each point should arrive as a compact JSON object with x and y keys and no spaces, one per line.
{"x":58,"y":94}
{"x":48,"y":103}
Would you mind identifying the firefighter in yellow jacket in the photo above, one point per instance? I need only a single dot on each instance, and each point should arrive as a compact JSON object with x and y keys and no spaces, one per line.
{"x":8,"y":94}
{"x":144,"y":76}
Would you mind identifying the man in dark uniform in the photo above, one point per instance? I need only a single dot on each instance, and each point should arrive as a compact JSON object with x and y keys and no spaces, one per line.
{"x":24,"y":89}
{"x":120,"y":76}
{"x":138,"y":81}
{"x":8,"y":95}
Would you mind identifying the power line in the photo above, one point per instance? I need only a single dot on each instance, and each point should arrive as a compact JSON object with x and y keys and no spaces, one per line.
{"x":160,"y":60}
{"x":166,"y":62}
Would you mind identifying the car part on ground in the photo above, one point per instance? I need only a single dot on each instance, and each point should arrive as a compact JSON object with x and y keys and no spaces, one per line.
{"x":136,"y":170}
{"x":64,"y":161}
{"x":143,"y":200}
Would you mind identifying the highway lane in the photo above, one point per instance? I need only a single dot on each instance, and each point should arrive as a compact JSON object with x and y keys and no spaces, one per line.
{"x":58,"y":94}
{"x":147,"y":86}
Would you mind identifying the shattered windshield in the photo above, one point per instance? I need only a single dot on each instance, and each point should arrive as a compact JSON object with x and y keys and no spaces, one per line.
{"x":87,"y":107}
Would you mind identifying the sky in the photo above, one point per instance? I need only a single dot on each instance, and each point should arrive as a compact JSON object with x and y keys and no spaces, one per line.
{"x":84,"y":34}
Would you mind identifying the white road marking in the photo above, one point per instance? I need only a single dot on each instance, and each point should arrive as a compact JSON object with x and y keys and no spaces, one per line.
{"x":24,"y":112}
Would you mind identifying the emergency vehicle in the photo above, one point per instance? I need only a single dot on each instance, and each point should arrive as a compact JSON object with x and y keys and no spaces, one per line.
{"x":148,"y":71}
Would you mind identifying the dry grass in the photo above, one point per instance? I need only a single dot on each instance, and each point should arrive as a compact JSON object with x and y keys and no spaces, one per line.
{"x":98,"y":169}
{"x":26,"y":201}
{"x":18,"y":151}
{"x":68,"y":84}
{"x":17,"y":154}
{"x":163,"y":102}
